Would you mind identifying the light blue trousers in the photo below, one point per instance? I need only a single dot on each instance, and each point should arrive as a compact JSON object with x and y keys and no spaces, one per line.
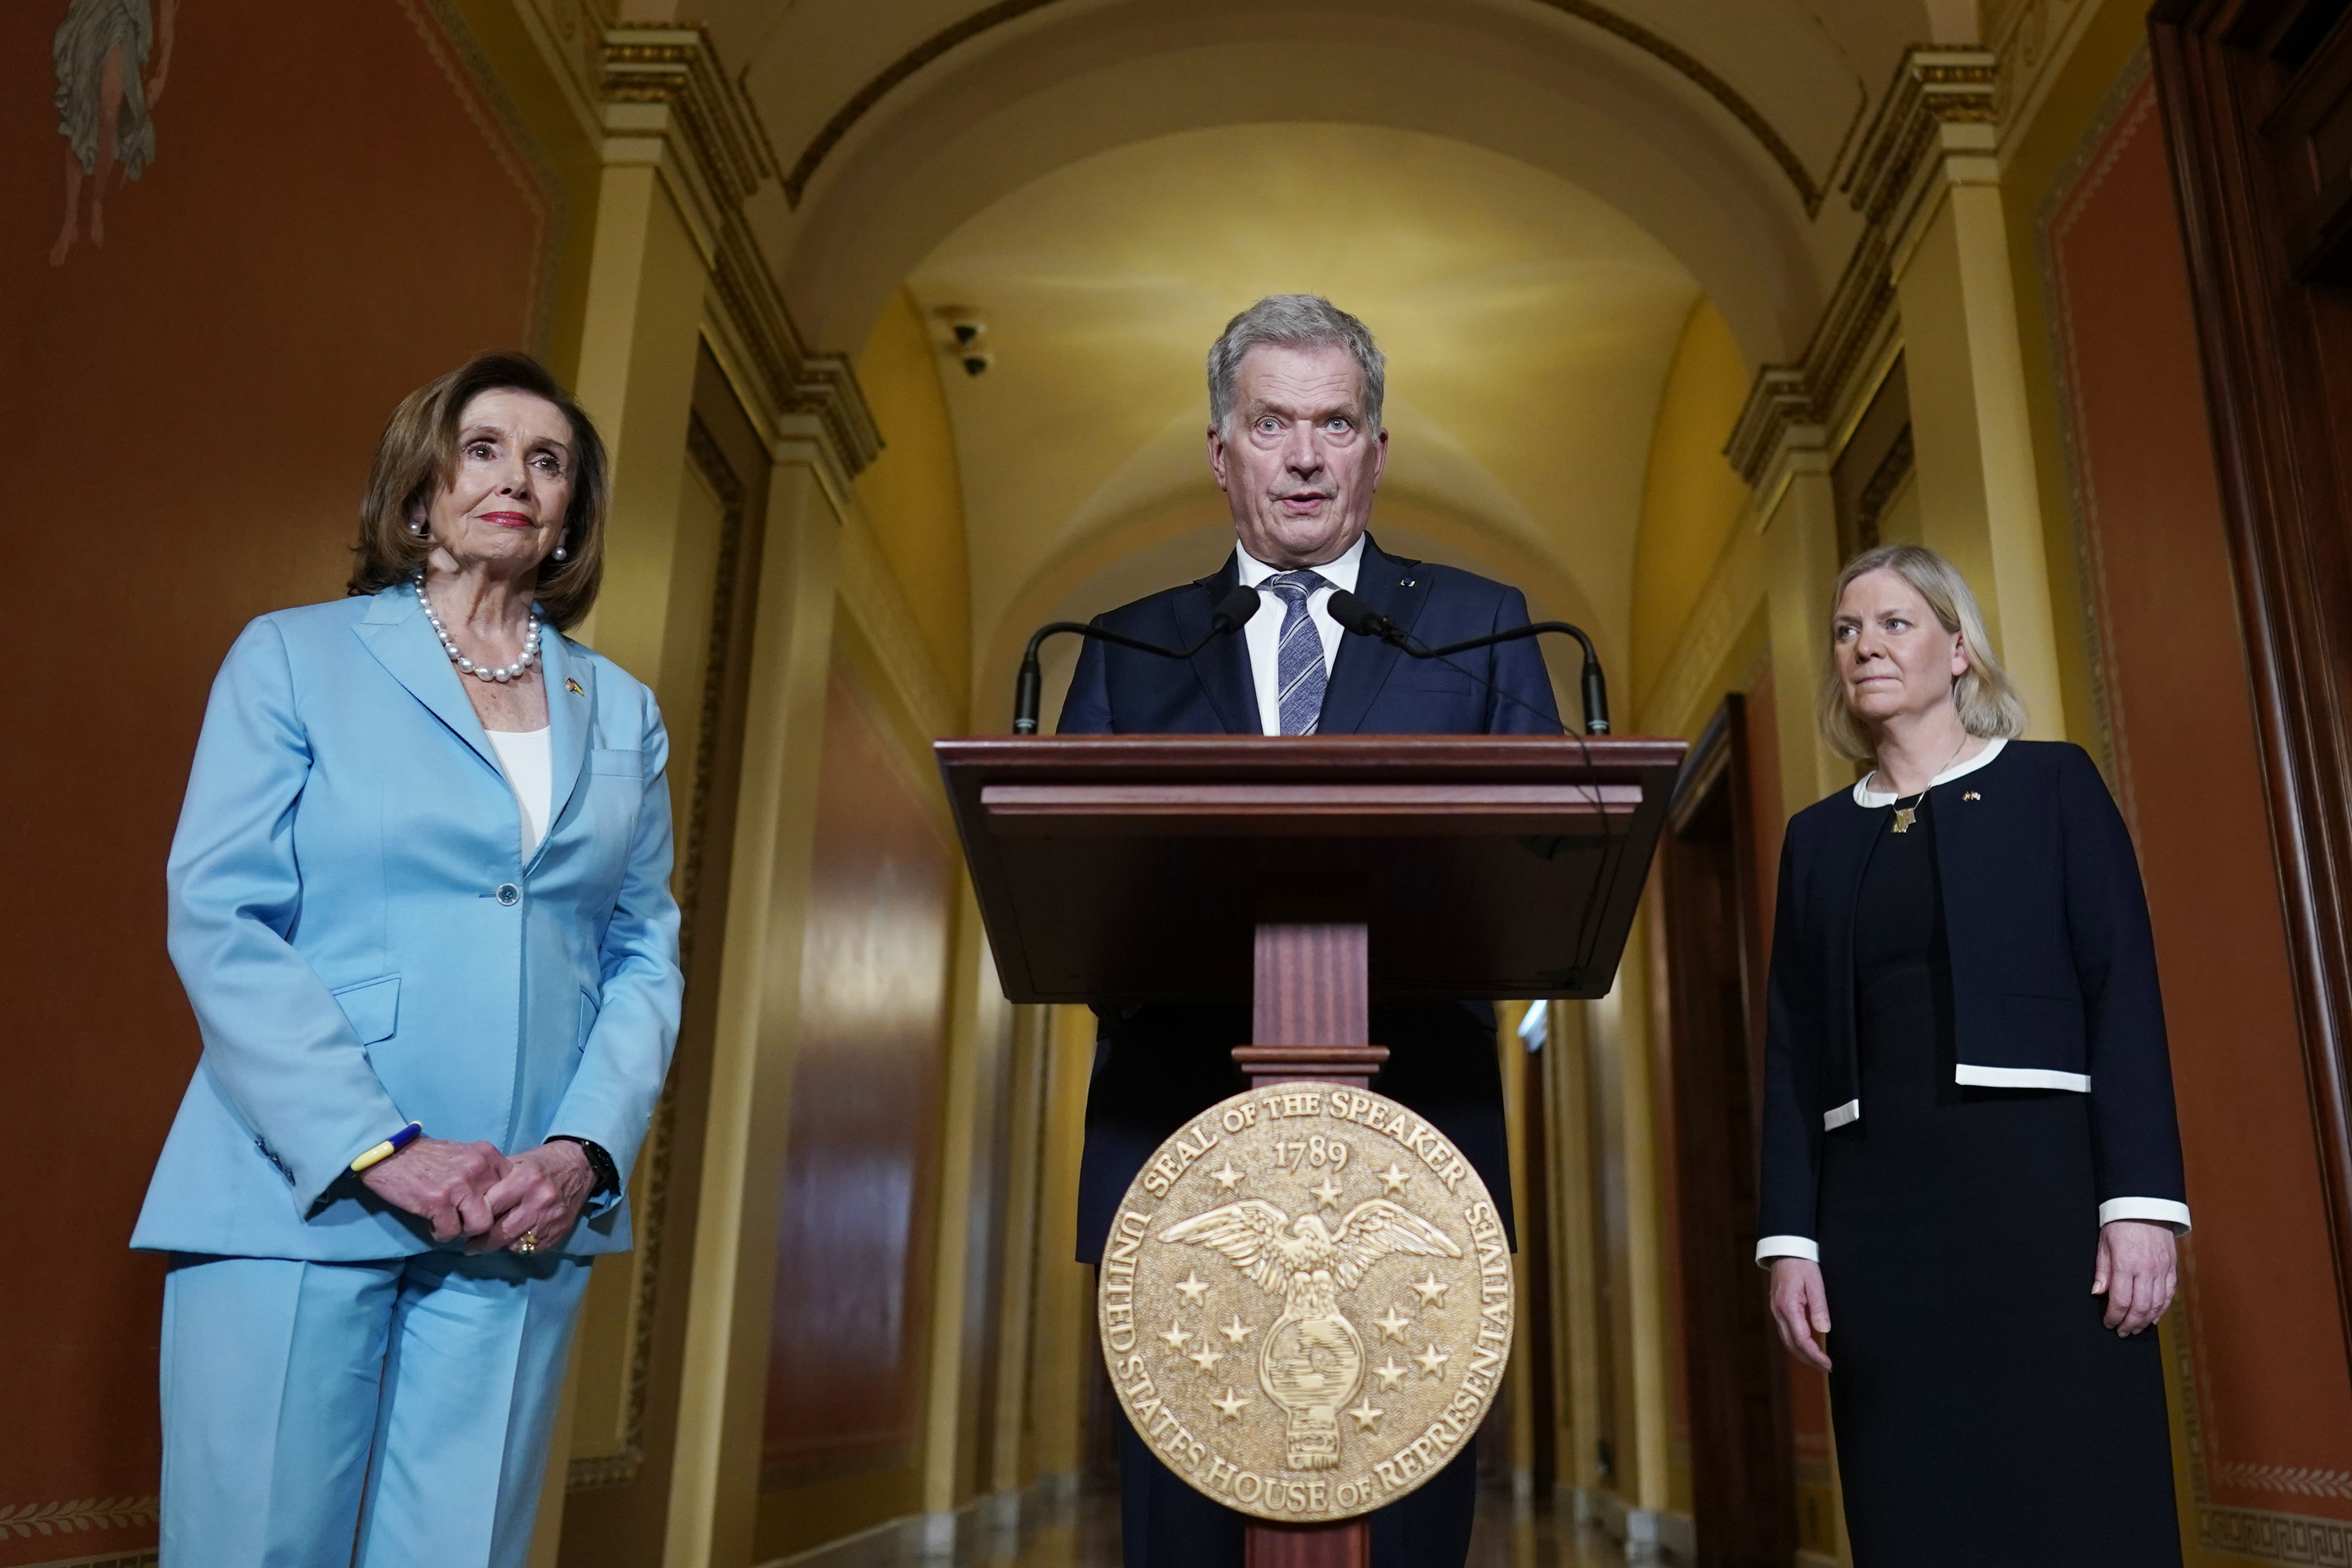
{"x":399,"y":1409}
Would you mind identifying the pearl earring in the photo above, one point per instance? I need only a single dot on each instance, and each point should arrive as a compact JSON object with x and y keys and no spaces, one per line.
{"x":417,"y":529}
{"x":562,"y":553}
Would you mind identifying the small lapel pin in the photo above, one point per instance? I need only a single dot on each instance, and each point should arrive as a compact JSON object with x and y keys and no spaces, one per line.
{"x":1405,"y":582}
{"x":577,"y":689}
{"x":1972,"y":795}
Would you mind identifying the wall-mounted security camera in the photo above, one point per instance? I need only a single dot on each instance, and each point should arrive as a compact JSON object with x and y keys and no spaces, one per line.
{"x":975,"y":364}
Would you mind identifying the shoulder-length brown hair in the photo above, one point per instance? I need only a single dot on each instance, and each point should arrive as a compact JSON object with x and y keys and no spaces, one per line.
{"x":416,"y":454}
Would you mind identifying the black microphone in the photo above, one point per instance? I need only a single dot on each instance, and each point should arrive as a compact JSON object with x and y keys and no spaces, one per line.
{"x":1356,"y":616}
{"x":1237,"y":606}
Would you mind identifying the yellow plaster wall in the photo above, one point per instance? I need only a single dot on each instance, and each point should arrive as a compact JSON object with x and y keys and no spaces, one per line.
{"x":1692,"y":500}
{"x":913,"y":494}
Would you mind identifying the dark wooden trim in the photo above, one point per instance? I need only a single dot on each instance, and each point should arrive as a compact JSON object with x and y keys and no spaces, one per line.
{"x":2276,"y":354}
{"x":1743,"y":1462}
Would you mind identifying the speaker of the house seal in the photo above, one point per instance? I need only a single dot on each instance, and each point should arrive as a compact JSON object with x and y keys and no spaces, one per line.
{"x":1306,"y":1303}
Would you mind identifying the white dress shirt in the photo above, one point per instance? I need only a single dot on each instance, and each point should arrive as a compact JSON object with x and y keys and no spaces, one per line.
{"x":1263,"y":632}
{"x":527,"y":759}
{"x":2160,"y":1211}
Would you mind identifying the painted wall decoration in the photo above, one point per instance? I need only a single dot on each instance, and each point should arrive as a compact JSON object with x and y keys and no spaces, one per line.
{"x":2263,"y":1390}
{"x":186,"y":416}
{"x":108,"y":88}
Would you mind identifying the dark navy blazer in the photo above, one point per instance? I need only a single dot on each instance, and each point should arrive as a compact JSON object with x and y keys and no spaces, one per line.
{"x":2053,"y":965}
{"x":1156,"y":1066}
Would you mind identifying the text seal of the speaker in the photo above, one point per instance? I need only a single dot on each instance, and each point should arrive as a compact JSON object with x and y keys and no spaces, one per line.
{"x":1306,"y":1301}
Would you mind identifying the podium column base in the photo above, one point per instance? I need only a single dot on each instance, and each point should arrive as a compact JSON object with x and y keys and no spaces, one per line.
{"x":1312,"y":1008}
{"x":1348,"y":1545}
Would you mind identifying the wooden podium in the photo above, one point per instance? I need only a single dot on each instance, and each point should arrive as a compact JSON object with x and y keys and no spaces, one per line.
{"x":1308,"y":874}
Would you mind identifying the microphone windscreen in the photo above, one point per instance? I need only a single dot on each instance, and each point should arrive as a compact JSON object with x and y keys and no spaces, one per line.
{"x":1354,"y":615}
{"x":1234,"y":609}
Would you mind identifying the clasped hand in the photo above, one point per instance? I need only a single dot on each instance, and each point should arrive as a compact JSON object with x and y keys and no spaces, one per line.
{"x":491,"y":1199}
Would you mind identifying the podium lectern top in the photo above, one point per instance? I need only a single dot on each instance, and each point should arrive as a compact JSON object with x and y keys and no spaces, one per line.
{"x":1137,"y":868}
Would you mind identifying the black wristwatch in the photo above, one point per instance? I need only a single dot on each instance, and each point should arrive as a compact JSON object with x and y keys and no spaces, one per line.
{"x":608,"y":1175}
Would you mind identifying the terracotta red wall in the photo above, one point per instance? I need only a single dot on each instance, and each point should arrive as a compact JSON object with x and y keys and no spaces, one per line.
{"x":845,"y":1380}
{"x":2269,"y":1401}
{"x":185,"y":418}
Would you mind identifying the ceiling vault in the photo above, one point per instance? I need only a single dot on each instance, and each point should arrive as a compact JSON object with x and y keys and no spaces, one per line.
{"x":1810,"y":191}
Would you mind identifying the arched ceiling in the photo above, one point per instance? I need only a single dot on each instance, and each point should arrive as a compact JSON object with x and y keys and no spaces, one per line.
{"x":1720,"y":127}
{"x":1528,"y":326}
{"x":1523,"y":197}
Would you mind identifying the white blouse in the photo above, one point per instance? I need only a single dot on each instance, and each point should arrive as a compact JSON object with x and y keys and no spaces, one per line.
{"x":527,"y":759}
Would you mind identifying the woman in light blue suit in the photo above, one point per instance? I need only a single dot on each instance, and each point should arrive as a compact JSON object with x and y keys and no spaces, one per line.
{"x":420,"y":901}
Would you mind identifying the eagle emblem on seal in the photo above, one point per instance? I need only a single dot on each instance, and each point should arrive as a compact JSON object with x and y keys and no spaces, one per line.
{"x":1312,"y":1362}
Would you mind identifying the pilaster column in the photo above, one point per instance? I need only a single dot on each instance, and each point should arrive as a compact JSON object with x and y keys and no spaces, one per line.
{"x":1929,"y":176}
{"x":1798,"y":512}
{"x":715,"y":1476}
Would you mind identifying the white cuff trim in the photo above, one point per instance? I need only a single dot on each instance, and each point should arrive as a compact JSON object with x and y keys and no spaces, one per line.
{"x":1833,"y":1119}
{"x":2160,"y":1211}
{"x":1804,"y":1246}
{"x":2021,"y":1077}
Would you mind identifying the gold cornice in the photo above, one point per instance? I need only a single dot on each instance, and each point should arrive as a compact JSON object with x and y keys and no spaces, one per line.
{"x":658,"y":63}
{"x":1811,"y":392}
{"x":1810,"y":191}
{"x":1934,"y":88}
{"x":723,"y":156}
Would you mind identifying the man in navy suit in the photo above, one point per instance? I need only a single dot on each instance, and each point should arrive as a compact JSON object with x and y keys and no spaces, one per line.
{"x":1296,"y":443}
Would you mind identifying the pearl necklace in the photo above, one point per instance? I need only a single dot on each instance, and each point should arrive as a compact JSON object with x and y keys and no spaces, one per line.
{"x":467,"y":667}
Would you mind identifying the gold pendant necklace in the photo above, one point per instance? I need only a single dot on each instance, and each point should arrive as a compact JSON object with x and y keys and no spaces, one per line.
{"x":1906,"y":815}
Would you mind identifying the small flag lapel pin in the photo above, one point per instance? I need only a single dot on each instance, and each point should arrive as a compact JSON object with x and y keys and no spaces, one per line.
{"x":1972,"y":795}
{"x":575,"y":688}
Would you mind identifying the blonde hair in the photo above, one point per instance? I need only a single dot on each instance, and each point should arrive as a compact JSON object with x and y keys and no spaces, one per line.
{"x":1988,"y":702}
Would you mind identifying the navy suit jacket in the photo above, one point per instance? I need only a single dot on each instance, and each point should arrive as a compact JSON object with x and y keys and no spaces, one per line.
{"x":1156,"y":1066}
{"x":2053,"y":965}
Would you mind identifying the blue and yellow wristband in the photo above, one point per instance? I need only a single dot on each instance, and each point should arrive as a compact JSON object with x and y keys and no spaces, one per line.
{"x":389,"y":1147}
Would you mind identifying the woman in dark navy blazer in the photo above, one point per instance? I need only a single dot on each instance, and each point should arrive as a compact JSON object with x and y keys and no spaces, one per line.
{"x":1969,"y":1148}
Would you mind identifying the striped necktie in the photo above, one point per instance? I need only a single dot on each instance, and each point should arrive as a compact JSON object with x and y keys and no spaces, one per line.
{"x":1299,"y":675}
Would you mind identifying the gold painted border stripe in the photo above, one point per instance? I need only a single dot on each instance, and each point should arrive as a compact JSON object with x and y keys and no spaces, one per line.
{"x":1623,"y":28}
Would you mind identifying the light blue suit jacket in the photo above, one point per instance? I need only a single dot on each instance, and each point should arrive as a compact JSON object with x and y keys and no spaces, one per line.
{"x":364,"y":946}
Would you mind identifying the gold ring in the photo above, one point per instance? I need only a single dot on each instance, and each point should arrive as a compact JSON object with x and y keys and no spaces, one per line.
{"x":527,"y":1242}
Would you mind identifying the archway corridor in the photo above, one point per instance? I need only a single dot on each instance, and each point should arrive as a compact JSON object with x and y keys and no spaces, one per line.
{"x":894,"y":320}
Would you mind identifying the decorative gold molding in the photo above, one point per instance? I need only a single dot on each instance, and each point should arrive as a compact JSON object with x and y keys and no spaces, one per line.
{"x":1810,"y":191}
{"x":621,"y":1465}
{"x":1679,"y":699}
{"x":677,"y":66}
{"x":1811,"y":393}
{"x":2031,"y":38}
{"x":870,"y":593}
{"x":29,"y":1519}
{"x":723,"y":158}
{"x":1934,"y":89}
{"x":2262,"y":1534}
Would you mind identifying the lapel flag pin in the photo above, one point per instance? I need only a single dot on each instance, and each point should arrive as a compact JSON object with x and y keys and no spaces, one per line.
{"x":1972,"y":795}
{"x":577,"y":689}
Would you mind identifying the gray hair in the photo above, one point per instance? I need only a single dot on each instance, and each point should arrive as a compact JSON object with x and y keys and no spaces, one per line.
{"x":1294,"y":320}
{"x":1989,"y":704}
